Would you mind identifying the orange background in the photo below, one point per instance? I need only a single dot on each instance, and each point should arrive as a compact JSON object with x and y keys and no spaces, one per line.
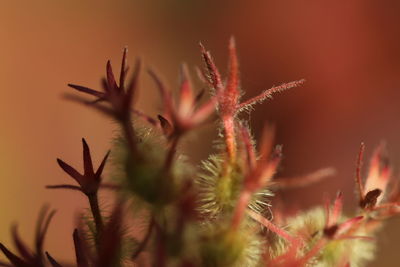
{"x":347,"y":50}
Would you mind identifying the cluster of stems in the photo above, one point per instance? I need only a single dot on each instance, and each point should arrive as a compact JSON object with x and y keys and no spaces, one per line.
{"x":219,"y":215}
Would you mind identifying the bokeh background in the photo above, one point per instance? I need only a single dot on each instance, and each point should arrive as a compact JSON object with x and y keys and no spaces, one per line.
{"x":347,"y":50}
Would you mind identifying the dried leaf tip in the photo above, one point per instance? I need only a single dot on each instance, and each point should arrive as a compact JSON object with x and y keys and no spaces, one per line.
{"x":228,"y":95}
{"x":183,"y":115}
{"x":26,"y":257}
{"x":90,"y":180}
{"x":119,"y":99}
{"x":124,"y":68}
{"x":379,"y":174}
{"x":233,"y":79}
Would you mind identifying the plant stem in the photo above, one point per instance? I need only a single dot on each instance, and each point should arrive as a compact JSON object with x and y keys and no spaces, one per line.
{"x":160,"y":250}
{"x":98,"y":220}
{"x":230,"y":142}
{"x":129,"y":135}
{"x":171,"y":153}
{"x":272,"y":227}
{"x":358,"y":172}
{"x":240,"y":208}
{"x":146,"y":239}
{"x":313,"y":252}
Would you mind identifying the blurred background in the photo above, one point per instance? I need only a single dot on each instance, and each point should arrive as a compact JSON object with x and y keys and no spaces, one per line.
{"x":348,"y":51}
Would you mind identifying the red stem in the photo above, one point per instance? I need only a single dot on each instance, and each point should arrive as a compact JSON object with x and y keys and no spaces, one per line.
{"x":240,"y":208}
{"x":358,"y":171}
{"x":272,"y":227}
{"x":268,"y":93}
{"x":229,"y":131}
